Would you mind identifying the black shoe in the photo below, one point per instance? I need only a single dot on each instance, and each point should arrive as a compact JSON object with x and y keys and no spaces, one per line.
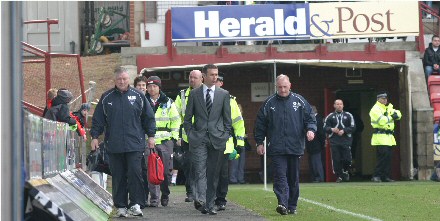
{"x":221,"y":207}
{"x":153,"y":205}
{"x":281,"y":210}
{"x":211,"y":211}
{"x":164,"y":202}
{"x":292,"y":211}
{"x":387,"y":180}
{"x":199,"y":206}
{"x":346,"y":176}
{"x":338,"y":180}
{"x":376,"y":179}
{"x":189,"y":199}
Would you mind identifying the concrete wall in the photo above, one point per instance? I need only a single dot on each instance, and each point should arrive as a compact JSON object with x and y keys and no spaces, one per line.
{"x":422,"y":118}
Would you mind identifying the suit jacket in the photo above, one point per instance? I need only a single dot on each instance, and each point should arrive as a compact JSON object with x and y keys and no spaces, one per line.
{"x":217,"y":124}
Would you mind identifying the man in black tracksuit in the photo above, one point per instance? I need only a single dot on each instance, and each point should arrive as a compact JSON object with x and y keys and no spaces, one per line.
{"x":125,"y":115}
{"x":340,"y":126}
{"x":285,"y":119}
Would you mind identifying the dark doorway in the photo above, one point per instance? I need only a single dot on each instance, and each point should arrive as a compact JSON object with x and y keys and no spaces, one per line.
{"x":359,"y":102}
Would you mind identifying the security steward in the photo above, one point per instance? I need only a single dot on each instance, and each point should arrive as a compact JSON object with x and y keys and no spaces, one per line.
{"x":232,"y":150}
{"x":195,"y":81}
{"x":382,"y":116}
{"x":340,"y":126}
{"x":167,"y":123}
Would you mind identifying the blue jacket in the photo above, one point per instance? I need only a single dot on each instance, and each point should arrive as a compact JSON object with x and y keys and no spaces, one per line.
{"x":125,"y":117}
{"x":285,"y":122}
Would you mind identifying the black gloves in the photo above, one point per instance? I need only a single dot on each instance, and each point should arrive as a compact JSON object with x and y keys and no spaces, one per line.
{"x":395,"y":116}
{"x":239,"y":149}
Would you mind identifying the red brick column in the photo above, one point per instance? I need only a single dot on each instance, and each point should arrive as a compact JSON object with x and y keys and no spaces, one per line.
{"x":132,"y":40}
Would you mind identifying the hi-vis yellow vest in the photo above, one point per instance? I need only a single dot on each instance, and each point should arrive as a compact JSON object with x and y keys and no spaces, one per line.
{"x":237,"y":125}
{"x":167,"y":122}
{"x":181,"y":102}
{"x":383,"y":124}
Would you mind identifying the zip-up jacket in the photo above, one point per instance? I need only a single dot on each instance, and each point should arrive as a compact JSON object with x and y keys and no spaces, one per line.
{"x":343,"y":121}
{"x":167,"y":118}
{"x":59,"y":110}
{"x":237,"y":126}
{"x":382,"y":120}
{"x":284,"y":121}
{"x":431,"y":57}
{"x":181,"y":102}
{"x":125,"y":117}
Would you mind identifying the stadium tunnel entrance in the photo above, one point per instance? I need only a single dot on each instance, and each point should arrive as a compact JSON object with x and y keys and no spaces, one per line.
{"x":320,"y":82}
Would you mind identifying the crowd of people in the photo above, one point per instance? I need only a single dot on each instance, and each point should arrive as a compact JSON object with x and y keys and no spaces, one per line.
{"x":206,"y":125}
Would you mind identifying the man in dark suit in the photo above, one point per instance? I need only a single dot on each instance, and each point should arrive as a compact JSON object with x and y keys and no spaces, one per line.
{"x":207,"y":136}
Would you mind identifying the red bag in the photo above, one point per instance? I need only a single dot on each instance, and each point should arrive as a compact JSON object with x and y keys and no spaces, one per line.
{"x":155,"y":168}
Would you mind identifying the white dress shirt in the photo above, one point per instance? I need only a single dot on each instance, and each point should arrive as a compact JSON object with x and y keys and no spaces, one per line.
{"x":205,"y":88}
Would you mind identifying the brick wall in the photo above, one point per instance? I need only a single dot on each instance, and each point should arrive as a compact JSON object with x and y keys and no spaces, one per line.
{"x":132,"y":25}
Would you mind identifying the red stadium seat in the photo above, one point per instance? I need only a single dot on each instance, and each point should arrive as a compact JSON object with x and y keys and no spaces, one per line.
{"x":433,"y":80}
{"x":434,"y":88}
{"x":437,"y":115}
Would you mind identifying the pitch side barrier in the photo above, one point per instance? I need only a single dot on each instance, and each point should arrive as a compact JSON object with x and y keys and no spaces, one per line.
{"x":56,"y":187}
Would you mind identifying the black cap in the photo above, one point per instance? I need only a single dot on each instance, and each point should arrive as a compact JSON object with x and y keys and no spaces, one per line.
{"x":382,"y":94}
{"x":221,"y":76}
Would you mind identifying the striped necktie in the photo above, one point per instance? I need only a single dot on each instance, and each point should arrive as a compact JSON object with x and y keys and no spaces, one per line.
{"x":208,"y":101}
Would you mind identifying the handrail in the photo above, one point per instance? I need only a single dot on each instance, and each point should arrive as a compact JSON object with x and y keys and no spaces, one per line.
{"x":33,"y":109}
{"x":429,"y":10}
{"x":421,"y":39}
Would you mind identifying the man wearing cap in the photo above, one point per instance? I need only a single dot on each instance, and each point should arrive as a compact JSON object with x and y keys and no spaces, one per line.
{"x":232,"y":151}
{"x":167,"y":123}
{"x":207,"y":136}
{"x":382,"y":117}
{"x":195,"y":81}
{"x":124,"y":115}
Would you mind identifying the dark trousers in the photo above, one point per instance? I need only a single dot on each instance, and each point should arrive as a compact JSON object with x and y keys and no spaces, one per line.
{"x":237,"y":169}
{"x":223,"y":182}
{"x":383,"y":165}
{"x":285,"y":169}
{"x":164,"y":150}
{"x":316,"y":169}
{"x":206,"y":162}
{"x":341,"y":158}
{"x":145,"y":180}
{"x":187,"y":168}
{"x":127,"y":179}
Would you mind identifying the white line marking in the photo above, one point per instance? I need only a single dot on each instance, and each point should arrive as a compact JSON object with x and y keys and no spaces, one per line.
{"x":340,"y":210}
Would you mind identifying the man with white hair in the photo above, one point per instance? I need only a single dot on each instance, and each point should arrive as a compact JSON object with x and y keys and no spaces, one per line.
{"x":285,"y":119}
{"x":125,"y":115}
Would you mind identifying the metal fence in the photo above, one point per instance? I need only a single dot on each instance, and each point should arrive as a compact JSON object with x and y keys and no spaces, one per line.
{"x":50,"y":147}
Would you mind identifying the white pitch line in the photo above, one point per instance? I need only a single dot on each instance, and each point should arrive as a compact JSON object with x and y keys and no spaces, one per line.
{"x":340,"y":210}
